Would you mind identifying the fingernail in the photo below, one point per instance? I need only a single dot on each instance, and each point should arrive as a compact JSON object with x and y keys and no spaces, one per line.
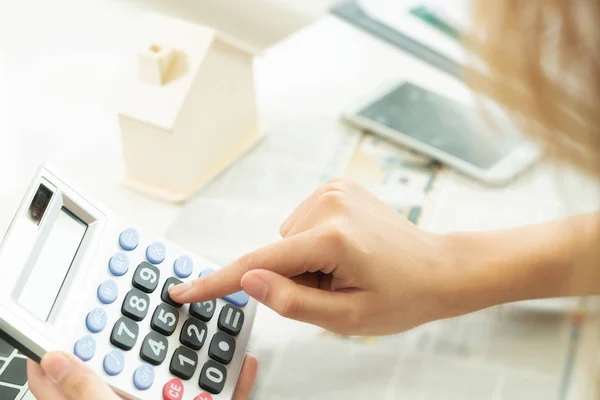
{"x":180,"y":289}
{"x":255,"y":287}
{"x":55,"y":366}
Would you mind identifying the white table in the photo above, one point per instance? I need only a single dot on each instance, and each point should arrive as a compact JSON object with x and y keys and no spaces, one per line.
{"x":58,"y":66}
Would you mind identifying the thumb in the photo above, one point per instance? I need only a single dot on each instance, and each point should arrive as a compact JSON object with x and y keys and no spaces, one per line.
{"x":336,"y":311}
{"x":73,"y":379}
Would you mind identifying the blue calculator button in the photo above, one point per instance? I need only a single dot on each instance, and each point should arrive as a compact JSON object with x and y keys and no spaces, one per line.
{"x":108,"y":291}
{"x":207,"y":271}
{"x":118,"y":264}
{"x":239,"y":299}
{"x":114,"y":362}
{"x":155,"y":253}
{"x":143,"y":377}
{"x":85,"y":348}
{"x":96,"y":320}
{"x":129,"y":239}
{"x":183,"y":266}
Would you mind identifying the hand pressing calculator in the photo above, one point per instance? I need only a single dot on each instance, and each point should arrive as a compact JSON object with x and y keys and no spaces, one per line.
{"x":75,"y":277}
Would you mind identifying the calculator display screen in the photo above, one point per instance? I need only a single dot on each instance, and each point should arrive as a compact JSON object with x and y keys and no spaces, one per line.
{"x":52,"y":264}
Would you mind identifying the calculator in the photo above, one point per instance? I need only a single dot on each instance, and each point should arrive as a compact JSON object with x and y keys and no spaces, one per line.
{"x":76,"y":277}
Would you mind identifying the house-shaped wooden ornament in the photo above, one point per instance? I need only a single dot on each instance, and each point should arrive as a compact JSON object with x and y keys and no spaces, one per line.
{"x":186,"y":107}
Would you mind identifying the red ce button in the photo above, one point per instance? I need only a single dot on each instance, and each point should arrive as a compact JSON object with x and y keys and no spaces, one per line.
{"x":173,"y":390}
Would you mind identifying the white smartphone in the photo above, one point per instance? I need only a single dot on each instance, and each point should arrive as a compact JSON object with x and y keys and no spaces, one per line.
{"x":445,"y":129}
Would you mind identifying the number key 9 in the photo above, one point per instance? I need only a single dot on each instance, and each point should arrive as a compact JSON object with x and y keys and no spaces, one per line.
{"x":146,"y":277}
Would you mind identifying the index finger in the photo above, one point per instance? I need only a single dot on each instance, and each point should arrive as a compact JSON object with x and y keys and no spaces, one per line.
{"x":289,"y":257}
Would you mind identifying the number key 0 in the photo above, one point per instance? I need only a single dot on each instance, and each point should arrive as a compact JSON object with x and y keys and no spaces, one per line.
{"x":146,"y":277}
{"x":164,"y":320}
{"x":212,"y":377}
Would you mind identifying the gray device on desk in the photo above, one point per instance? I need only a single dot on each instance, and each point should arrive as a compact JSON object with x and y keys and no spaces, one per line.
{"x":445,"y":130}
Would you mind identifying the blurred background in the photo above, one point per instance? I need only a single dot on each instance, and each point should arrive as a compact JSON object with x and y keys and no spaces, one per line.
{"x":58,"y":62}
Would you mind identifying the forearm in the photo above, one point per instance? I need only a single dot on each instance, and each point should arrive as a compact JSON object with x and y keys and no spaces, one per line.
{"x":553,"y":259}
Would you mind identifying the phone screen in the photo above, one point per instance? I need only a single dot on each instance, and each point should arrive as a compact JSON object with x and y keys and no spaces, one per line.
{"x":442,"y":123}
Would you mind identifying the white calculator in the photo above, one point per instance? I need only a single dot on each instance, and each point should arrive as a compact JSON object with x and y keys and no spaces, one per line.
{"x":77,"y":278}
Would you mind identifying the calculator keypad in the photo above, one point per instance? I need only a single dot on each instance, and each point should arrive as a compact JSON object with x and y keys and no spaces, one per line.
{"x":164,"y":320}
{"x":154,"y":348}
{"x":212,"y":377}
{"x":193,"y":334}
{"x":231,"y":319}
{"x":124,"y":333}
{"x":146,"y":277}
{"x":183,"y":359}
{"x":135,"y":305}
{"x":222,"y":347}
{"x":164,"y":295}
{"x":203,"y":311}
{"x":183,"y":363}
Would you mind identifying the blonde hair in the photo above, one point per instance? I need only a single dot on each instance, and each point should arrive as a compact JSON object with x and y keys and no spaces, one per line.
{"x":539,"y":61}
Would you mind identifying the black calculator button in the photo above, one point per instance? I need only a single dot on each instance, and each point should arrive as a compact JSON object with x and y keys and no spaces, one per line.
{"x":212,"y":377}
{"x":5,"y":348}
{"x":164,"y":320}
{"x":231,"y":319}
{"x":164,"y":295}
{"x":222,"y":347}
{"x":146,"y":277}
{"x":193,"y":334}
{"x":154,"y":348}
{"x":183,"y":363}
{"x":124,"y":333}
{"x":8,"y":393}
{"x":15,"y":372}
{"x":135,"y":305}
{"x":203,"y":311}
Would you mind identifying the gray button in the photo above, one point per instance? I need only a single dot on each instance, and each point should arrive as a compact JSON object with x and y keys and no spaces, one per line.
{"x":231,"y":319}
{"x":222,"y":348}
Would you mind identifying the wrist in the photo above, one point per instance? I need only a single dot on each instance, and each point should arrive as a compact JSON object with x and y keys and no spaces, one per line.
{"x":491,"y":268}
{"x":467,"y":279}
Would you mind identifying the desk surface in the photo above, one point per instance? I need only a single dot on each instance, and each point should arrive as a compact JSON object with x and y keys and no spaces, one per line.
{"x":59,"y":107}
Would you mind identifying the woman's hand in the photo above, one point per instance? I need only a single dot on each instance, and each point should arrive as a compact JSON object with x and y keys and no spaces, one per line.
{"x":347,"y":262}
{"x":61,"y":376}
